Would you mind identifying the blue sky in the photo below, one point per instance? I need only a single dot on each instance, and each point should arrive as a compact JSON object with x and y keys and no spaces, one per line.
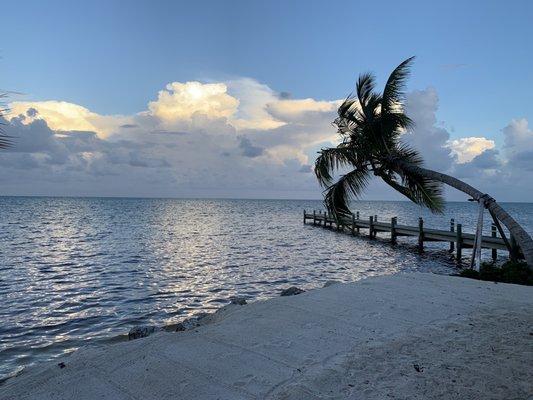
{"x":112,"y":57}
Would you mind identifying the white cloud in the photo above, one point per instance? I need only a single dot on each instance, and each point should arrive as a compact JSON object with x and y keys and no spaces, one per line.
{"x":518,"y":144}
{"x":254,"y":98}
{"x":296,"y":110}
{"x":64,"y":116}
{"x":235,"y":138}
{"x":426,"y":135}
{"x":179,"y":102}
{"x":466,"y":149}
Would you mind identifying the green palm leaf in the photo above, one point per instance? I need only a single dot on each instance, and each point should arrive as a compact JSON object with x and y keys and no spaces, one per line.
{"x":393,"y":92}
{"x":349,"y":186}
{"x":331,"y":160}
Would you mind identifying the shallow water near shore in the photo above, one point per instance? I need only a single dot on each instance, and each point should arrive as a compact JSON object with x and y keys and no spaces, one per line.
{"x":80,"y":270}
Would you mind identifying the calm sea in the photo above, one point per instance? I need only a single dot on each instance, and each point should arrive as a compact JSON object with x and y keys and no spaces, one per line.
{"x":80,"y":270}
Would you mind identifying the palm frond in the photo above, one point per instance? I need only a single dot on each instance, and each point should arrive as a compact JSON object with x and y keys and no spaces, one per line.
{"x":349,"y":115}
{"x":407,"y":154}
{"x":393,"y":92}
{"x":393,"y":124}
{"x":365,"y":87}
{"x":420,"y":189}
{"x":331,"y":160}
{"x":369,"y":101}
{"x":337,"y":196}
{"x":423,"y":190}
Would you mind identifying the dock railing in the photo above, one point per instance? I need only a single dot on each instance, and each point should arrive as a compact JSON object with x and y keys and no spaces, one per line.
{"x":454,"y":236}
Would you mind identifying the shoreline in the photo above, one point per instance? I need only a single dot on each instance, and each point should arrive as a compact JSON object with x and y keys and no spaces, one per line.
{"x":423,"y":335}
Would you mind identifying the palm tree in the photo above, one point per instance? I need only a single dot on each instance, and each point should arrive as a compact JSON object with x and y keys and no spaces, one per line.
{"x":371,"y":125}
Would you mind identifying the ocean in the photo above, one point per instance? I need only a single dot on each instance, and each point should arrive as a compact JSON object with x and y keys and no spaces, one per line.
{"x":83,"y":271}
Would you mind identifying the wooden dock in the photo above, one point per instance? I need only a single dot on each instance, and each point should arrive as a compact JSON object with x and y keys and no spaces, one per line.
{"x":454,"y":235}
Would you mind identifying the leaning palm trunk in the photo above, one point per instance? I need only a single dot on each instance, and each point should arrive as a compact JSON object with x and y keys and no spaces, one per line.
{"x":520,"y":235}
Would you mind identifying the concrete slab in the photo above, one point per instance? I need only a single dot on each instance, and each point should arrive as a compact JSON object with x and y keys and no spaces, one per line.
{"x":314,"y":346}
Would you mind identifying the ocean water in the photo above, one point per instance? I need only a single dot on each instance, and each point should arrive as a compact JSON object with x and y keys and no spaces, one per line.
{"x":83,"y":271}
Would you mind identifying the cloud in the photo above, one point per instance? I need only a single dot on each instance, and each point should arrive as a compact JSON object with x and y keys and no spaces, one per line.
{"x":64,"y":116}
{"x":466,"y":149}
{"x":248,"y":149}
{"x":296,"y":110}
{"x":179,"y":102}
{"x":238,"y":138}
{"x":518,"y":144}
{"x":253,"y":98}
{"x":426,"y":135}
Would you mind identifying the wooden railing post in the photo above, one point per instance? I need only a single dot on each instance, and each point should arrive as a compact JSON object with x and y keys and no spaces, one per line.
{"x":371,"y":226}
{"x":493,"y":234}
{"x":420,"y":234}
{"x":393,"y":222}
{"x":452,"y":229}
{"x":459,"y":240}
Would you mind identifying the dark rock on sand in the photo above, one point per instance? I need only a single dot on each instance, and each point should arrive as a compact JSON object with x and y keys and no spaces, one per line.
{"x":190,"y":323}
{"x":292,"y":291}
{"x":138,"y":332}
{"x":241,"y":301}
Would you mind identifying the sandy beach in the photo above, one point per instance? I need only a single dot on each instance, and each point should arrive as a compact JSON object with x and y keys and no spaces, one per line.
{"x":416,"y":336}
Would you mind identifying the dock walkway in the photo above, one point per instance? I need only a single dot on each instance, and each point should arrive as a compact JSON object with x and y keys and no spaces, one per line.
{"x":457,"y":239}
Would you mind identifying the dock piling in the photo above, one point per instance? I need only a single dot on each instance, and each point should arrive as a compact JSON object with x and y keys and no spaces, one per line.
{"x":452,"y":229}
{"x":493,"y":234}
{"x":357,"y":217}
{"x":420,"y":234}
{"x":371,"y":227}
{"x":393,"y":223}
{"x":459,"y":240}
{"x":353,"y":224}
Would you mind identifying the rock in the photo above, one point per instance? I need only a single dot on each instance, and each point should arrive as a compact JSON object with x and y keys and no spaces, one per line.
{"x":190,"y":323}
{"x":61,"y":365}
{"x":240,"y":301}
{"x":138,"y":332}
{"x":180,"y":327}
{"x":292,"y":291}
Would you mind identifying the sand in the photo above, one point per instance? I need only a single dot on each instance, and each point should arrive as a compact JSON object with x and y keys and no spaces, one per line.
{"x":406,"y":336}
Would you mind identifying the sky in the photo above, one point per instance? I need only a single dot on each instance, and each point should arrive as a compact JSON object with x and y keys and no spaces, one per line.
{"x":234,"y":98}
